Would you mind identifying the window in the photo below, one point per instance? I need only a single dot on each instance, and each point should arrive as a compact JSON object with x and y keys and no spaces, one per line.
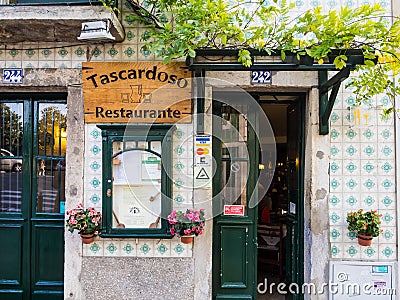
{"x":137,"y":182}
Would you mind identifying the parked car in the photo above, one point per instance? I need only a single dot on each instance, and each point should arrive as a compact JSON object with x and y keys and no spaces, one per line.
{"x":10,"y":164}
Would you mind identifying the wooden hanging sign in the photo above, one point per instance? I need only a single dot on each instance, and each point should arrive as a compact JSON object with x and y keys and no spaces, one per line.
{"x":140,"y":92}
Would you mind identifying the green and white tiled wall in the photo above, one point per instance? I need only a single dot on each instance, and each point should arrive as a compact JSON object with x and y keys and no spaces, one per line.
{"x":182,"y":196}
{"x":61,"y":55}
{"x":362,"y":175}
{"x":362,"y":159}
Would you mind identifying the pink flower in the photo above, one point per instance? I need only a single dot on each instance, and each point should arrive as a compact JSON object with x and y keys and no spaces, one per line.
{"x":172,"y":214}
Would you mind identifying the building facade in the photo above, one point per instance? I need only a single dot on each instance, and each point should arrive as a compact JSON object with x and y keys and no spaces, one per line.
{"x":75,"y":117}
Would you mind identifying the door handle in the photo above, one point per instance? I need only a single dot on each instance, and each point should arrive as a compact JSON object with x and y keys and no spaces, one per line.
{"x":284,"y":212}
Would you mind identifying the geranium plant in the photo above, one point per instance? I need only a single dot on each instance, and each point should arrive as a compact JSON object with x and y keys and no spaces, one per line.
{"x":191,"y":222}
{"x":366,"y":223}
{"x":85,"y":221}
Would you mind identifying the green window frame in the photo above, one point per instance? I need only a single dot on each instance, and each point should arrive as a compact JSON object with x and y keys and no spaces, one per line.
{"x":147,"y":134}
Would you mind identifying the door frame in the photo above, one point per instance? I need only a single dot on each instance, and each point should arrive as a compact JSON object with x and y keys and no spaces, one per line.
{"x":216,"y":248}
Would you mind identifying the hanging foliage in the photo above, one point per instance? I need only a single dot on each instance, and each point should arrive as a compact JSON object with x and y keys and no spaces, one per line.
{"x":177,"y":28}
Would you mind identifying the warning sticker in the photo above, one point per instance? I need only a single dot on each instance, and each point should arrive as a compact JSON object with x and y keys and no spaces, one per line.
{"x":202,"y":174}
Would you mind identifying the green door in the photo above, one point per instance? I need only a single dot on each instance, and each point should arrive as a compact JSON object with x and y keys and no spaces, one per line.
{"x":32,"y":196}
{"x":235,"y":149}
{"x":295,"y":211}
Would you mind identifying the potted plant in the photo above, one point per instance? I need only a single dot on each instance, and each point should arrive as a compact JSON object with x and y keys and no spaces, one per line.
{"x":85,"y":221}
{"x":187,"y":224}
{"x":366,"y":224}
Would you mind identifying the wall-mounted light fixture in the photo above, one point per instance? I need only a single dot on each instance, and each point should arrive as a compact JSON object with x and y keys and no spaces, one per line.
{"x":96,"y":31}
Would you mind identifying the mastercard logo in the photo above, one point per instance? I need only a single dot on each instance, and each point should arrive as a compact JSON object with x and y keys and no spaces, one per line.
{"x":202,"y":151}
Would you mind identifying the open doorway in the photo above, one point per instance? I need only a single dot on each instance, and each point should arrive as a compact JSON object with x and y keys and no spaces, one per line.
{"x":273,"y":222}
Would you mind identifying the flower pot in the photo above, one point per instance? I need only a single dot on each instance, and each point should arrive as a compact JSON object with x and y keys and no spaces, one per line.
{"x":364,"y":240}
{"x":187,"y":239}
{"x":87,"y":238}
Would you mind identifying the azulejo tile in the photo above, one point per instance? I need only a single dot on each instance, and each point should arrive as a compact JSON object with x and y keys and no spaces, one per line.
{"x":368,"y":151}
{"x":94,"y":198}
{"x":368,"y":135}
{"x":179,"y":199}
{"x":386,"y":167}
{"x":352,"y":250}
{"x":128,"y":248}
{"x":385,"y":134}
{"x":351,"y":151}
{"x":386,"y":151}
{"x":369,"y":167}
{"x":351,"y":201}
{"x":112,"y":248}
{"x":179,"y":249}
{"x":30,"y":64}
{"x":46,"y":53}
{"x":78,"y":52}
{"x":336,"y":151}
{"x":386,"y":120}
{"x":349,"y":100}
{"x":388,"y":236}
{"x":351,"y":184}
{"x":14,"y":54}
{"x":336,"y":134}
{"x":388,"y":217}
{"x":63,"y":64}
{"x":336,"y":217}
{"x":179,"y":134}
{"x":94,"y":182}
{"x":335,"y":168}
{"x":336,"y":250}
{"x":94,"y":134}
{"x":369,"y":200}
{"x":387,"y":251}
{"x":335,"y":200}
{"x":179,"y":166}
{"x":369,"y":184}
{"x":144,"y":54}
{"x":349,"y":236}
{"x":350,"y":168}
{"x":387,"y":200}
{"x":370,"y":252}
{"x":145,"y":248}
{"x":180,"y":150}
{"x":46,"y":64}
{"x":351,"y":134}
{"x":13,"y":64}
{"x":129,"y":51}
{"x":336,"y":235}
{"x":336,"y":184}
{"x":95,"y":150}
{"x":386,"y":184}
{"x":130,"y":35}
{"x":336,"y":118}
{"x":95,"y":166}
{"x":94,"y":249}
{"x":162,"y":248}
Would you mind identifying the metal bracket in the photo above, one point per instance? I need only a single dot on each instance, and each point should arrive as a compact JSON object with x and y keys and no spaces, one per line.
{"x":325,"y":104}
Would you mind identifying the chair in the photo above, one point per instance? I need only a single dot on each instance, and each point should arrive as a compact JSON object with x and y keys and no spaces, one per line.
{"x":271,"y":246}
{"x":10,"y":201}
